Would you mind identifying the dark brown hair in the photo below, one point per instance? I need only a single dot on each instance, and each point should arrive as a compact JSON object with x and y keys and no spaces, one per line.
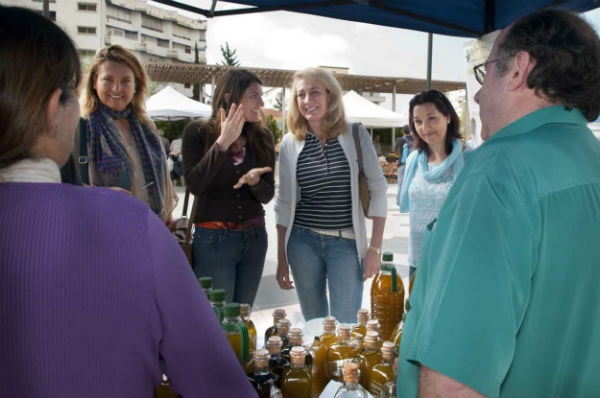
{"x":234,"y":82}
{"x":567,"y":54}
{"x":37,"y":58}
{"x":444,"y":106}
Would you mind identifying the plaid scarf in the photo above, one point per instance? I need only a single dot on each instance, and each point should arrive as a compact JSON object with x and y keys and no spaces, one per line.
{"x":109,"y":154}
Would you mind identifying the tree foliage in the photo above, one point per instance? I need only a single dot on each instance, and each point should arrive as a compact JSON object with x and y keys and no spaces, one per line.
{"x":229,"y":56}
{"x":271,"y":124}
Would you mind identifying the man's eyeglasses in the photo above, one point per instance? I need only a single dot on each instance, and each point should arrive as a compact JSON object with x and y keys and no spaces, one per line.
{"x":480,"y":72}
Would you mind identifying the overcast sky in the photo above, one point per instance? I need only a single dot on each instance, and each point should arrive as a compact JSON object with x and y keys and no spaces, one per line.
{"x":286,"y":40}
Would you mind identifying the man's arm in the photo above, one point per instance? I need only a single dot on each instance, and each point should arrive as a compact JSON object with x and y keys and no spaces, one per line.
{"x":434,"y":384}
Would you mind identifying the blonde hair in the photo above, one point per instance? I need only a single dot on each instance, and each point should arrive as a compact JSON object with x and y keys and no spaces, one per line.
{"x":335,"y":118}
{"x":116,"y":53}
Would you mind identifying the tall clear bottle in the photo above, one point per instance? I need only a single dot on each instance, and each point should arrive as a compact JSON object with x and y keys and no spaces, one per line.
{"x":217,"y":300}
{"x":278,"y":314}
{"x":297,"y":380}
{"x":345,"y":348}
{"x":359,"y":331}
{"x":387,"y":297}
{"x":236,"y":332}
{"x":351,"y":387}
{"x":206,"y":282}
{"x":276,"y":363}
{"x":320,"y":348}
{"x":369,"y":357}
{"x":262,"y":379}
{"x":383,"y":372}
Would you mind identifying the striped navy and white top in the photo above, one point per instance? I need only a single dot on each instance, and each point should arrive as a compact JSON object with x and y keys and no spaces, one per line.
{"x":324,"y":180}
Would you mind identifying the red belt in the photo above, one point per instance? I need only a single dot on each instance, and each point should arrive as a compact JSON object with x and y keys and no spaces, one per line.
{"x":231,"y":225}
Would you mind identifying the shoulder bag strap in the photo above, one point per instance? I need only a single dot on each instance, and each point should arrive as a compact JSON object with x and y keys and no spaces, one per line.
{"x":83,"y":159}
{"x":357,"y":145}
{"x":188,"y":232}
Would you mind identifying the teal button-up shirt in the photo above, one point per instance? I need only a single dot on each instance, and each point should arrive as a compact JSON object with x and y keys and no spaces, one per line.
{"x":506,"y":297}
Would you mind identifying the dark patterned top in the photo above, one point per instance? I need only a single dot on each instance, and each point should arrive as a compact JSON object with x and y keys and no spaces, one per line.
{"x":323,"y":175}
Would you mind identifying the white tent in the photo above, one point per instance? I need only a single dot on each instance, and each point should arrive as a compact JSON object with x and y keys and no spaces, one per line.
{"x":170,"y":104}
{"x":359,"y":109}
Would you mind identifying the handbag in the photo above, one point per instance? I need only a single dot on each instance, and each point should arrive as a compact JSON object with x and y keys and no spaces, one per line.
{"x":182,"y":227}
{"x":363,"y":188}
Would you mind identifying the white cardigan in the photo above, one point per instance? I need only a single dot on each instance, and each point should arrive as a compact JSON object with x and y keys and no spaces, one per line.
{"x":288,"y":192}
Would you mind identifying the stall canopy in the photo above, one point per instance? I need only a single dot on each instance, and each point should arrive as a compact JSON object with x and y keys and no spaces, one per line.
{"x":466,"y":18}
{"x":358,"y":109}
{"x":170,"y":104}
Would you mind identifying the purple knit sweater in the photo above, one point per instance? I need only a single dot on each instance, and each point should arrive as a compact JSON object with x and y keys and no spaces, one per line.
{"x":97,"y":300}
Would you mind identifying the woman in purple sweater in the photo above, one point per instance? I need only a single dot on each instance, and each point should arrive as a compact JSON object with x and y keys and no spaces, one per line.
{"x":96,"y":298}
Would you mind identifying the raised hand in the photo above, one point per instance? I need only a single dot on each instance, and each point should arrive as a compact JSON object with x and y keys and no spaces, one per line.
{"x":252,"y":177}
{"x":231,"y":126}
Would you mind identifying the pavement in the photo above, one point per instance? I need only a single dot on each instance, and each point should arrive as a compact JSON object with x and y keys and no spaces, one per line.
{"x":270,"y":296}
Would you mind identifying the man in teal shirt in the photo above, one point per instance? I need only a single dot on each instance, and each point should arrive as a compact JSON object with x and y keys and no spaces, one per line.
{"x":506,"y":300}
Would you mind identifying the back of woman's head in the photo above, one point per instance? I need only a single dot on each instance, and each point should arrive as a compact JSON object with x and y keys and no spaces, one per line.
{"x":36,"y":58}
{"x":230,"y":89}
{"x":443,"y":105}
{"x":335,"y":118}
{"x":116,"y":53}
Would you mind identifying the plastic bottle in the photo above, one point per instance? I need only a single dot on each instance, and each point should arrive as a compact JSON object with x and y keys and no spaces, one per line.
{"x":387,"y":297}
{"x":236,"y":332}
{"x":207,"y":283}
{"x":217,"y":300}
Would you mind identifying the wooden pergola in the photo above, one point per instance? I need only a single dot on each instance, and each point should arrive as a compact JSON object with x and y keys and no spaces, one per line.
{"x":210,"y":74}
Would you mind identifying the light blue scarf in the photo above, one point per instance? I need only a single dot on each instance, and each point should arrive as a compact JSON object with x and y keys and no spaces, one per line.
{"x":419,"y":159}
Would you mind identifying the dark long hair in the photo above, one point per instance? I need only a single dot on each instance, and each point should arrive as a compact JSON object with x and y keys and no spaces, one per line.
{"x":234,"y":82}
{"x":36,"y":58}
{"x":566,"y":50}
{"x":444,"y":106}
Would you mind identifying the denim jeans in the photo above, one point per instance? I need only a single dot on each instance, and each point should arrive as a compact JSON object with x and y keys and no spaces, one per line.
{"x":316,"y":260}
{"x":234,"y":259}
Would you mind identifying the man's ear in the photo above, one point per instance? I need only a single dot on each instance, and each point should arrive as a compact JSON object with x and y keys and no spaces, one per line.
{"x":520,"y":67}
{"x":52,"y":110}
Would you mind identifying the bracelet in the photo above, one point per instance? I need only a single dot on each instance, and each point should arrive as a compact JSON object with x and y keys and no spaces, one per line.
{"x":375,"y":249}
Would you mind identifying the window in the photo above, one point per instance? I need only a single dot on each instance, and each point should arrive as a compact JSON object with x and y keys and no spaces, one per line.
{"x":182,"y":32}
{"x":86,"y":6}
{"x":118,"y":14}
{"x":183,"y":47}
{"x":86,"y":30}
{"x":151,"y":23}
{"x":131,"y":35}
{"x":83,"y":52}
{"x":162,"y":43}
{"x":186,"y":85}
{"x":116,"y":32}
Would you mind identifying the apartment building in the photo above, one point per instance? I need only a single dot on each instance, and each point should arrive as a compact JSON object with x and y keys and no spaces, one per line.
{"x":154,"y":34}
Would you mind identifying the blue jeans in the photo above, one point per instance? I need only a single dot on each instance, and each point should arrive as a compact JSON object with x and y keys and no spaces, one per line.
{"x":317,"y":259}
{"x":234,"y":259}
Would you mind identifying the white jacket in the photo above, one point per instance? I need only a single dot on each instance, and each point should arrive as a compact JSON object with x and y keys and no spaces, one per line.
{"x":288,"y":192}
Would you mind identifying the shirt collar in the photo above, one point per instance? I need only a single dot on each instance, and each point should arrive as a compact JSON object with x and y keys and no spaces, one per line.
{"x":31,"y":170}
{"x":535,"y":119}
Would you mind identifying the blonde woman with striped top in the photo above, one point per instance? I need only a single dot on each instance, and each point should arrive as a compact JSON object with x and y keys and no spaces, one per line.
{"x":320,"y":221}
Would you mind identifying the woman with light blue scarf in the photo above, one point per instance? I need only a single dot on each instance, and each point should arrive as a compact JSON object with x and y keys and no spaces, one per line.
{"x":432,"y":168}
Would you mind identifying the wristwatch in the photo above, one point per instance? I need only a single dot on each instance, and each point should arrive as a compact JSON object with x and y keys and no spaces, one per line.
{"x":376,"y":250}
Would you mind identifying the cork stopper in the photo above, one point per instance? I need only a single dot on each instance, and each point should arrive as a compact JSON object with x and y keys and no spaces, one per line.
{"x":371,"y":340}
{"x":278,"y":313}
{"x":283,"y":327}
{"x":351,"y":372}
{"x":388,"y":350}
{"x":297,"y":355}
{"x":363,"y":316}
{"x":344,"y":332}
{"x":274,"y":345}
{"x":295,"y":336}
{"x":373,"y":324}
{"x":261,"y":358}
{"x":245,"y":310}
{"x":329,"y":324}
